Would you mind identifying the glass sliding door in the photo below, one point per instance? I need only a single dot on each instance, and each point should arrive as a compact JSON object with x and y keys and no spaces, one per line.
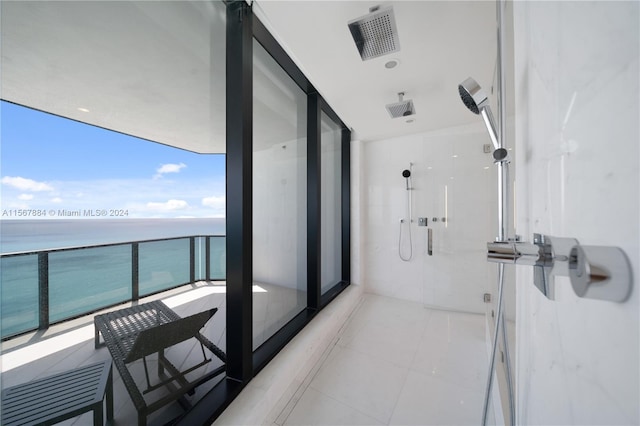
{"x":331,"y":202}
{"x":279,"y":197}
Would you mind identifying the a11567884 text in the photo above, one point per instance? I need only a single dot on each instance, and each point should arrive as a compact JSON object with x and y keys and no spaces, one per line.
{"x":6,"y":213}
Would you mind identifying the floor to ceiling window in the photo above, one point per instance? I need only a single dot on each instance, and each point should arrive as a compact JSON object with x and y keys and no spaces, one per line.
{"x":167,"y":102}
{"x":279,"y":197}
{"x":331,"y":201}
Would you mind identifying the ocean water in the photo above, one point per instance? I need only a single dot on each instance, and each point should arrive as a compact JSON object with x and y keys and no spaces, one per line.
{"x":87,"y":279}
{"x":43,"y":234}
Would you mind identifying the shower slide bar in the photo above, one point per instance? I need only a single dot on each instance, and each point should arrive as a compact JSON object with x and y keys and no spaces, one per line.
{"x":596,"y":272}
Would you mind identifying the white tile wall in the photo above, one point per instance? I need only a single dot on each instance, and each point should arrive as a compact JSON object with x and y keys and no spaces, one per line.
{"x":577,"y":94}
{"x":452,"y":177}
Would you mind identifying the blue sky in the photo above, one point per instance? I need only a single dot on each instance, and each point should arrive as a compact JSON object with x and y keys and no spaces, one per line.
{"x":48,"y":162}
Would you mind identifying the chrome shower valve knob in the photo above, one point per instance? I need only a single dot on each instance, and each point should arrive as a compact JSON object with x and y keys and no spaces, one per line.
{"x":599,"y":272}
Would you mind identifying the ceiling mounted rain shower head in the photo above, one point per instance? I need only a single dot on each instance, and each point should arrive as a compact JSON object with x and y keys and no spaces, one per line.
{"x":375,"y":33}
{"x":401,"y":108}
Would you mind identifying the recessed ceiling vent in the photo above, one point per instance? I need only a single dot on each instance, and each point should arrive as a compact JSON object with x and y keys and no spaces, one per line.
{"x":375,"y":34}
{"x":401,"y":108}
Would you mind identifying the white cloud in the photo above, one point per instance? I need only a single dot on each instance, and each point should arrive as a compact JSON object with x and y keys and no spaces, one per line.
{"x":25,"y":184}
{"x":25,"y":197}
{"x":132,"y":195}
{"x":168,"y":168}
{"x":14,"y":205}
{"x":215,"y":202}
{"x":168,"y":205}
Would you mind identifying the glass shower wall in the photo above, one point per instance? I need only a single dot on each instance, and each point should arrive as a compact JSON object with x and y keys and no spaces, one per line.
{"x":457,"y":196}
{"x":454,"y":188}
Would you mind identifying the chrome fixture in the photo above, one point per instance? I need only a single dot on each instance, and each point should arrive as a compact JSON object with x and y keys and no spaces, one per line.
{"x":596,"y":272}
{"x":476,"y":100}
{"x":401,"y":108}
{"x":375,"y":33}
{"x":602,"y":273}
{"x":500,"y":155}
{"x":406,"y":174}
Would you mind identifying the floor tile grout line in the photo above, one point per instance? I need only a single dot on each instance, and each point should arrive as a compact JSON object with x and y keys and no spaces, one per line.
{"x":302,"y":388}
{"x":290,"y":406}
{"x":338,"y":336}
{"x":395,"y":405}
{"x":349,"y":406}
{"x":368,"y":356}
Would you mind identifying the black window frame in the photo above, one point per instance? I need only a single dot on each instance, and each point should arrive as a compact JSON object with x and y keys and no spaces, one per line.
{"x":244,"y":363}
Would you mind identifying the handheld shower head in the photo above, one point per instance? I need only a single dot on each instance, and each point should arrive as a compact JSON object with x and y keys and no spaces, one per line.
{"x":406,"y":174}
{"x":476,"y":100}
{"x":472,"y":95}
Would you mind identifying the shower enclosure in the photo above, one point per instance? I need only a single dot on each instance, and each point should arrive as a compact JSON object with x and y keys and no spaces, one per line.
{"x":454,"y":185}
{"x":456,"y":202}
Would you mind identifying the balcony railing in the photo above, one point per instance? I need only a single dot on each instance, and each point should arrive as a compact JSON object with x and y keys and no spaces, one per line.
{"x":44,"y":287}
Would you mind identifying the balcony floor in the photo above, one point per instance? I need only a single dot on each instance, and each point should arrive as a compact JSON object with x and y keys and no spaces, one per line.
{"x":70,"y":344}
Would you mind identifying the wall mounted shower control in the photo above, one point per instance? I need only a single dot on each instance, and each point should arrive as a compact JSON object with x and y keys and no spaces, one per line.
{"x":596,"y":272}
{"x":422,"y":221}
{"x":600,"y":273}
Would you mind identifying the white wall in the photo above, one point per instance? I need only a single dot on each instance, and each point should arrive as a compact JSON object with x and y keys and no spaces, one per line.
{"x":577,"y":112}
{"x":448,"y":165}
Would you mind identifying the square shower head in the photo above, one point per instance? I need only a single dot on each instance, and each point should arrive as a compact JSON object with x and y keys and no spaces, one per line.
{"x":375,"y":33}
{"x":402,"y":108}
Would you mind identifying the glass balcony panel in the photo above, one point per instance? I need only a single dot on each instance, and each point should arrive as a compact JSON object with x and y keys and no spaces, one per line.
{"x":200,"y":258}
{"x":218,"y":258}
{"x":84,"y":280}
{"x":163,"y":265}
{"x":19,"y":281}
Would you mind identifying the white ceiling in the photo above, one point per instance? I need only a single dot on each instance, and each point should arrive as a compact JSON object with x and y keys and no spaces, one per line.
{"x":441,"y":44}
{"x":154,"y":69}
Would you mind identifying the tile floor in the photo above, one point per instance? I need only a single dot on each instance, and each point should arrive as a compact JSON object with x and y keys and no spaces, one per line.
{"x":394,"y":362}
{"x":397,"y":363}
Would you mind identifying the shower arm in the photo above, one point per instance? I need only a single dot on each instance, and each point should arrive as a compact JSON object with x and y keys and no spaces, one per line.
{"x":489,"y":121}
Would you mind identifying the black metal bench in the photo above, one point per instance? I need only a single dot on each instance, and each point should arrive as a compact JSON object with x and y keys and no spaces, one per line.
{"x":60,"y":397}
